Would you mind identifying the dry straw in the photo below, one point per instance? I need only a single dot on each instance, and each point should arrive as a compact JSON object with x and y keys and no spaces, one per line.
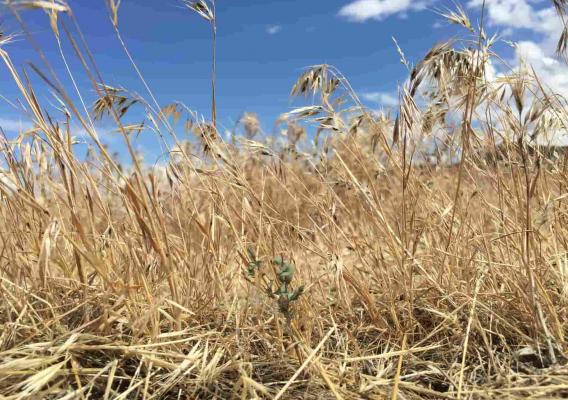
{"x":401,"y":255}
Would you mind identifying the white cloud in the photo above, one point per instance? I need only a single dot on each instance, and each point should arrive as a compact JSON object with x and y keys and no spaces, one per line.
{"x":553,"y":72}
{"x":540,"y":20}
{"x":523,"y":15}
{"x":384,"y":99}
{"x":14,"y":125}
{"x":507,"y":12}
{"x":108,"y":133}
{"x":363,"y":10}
{"x":273,"y":29}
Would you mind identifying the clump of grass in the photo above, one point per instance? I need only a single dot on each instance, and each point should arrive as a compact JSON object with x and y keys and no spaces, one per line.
{"x":431,"y":255}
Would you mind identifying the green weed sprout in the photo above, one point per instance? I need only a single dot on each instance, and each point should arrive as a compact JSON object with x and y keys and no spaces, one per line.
{"x":284,"y":294}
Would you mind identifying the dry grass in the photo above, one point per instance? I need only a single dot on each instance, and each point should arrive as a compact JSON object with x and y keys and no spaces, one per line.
{"x":421,"y":280}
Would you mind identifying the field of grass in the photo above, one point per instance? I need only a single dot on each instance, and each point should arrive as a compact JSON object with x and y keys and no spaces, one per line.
{"x":420,"y":256}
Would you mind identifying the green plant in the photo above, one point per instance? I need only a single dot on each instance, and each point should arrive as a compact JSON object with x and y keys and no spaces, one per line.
{"x":284,"y":292}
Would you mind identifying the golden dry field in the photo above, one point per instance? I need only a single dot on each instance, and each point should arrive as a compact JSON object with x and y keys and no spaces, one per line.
{"x":349,"y":259}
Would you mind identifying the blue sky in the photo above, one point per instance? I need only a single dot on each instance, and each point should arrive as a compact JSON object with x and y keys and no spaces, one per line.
{"x":263,"y":45}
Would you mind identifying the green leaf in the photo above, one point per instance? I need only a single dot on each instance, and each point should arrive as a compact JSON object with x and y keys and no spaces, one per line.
{"x":278,"y":261}
{"x":286,"y":272}
{"x":296,"y":293}
{"x":252,"y":267}
{"x":281,"y":291}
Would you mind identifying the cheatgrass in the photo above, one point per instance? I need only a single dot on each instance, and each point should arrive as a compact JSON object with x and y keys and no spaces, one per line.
{"x":354,"y":254}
